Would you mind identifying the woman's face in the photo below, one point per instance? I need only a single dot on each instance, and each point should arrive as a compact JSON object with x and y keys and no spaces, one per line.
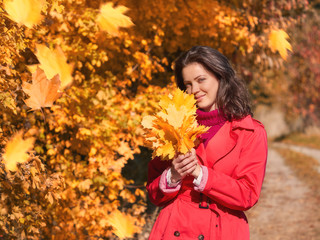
{"x":203,"y":84}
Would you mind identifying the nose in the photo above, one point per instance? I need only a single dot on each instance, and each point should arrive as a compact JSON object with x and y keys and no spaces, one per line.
{"x":195,"y":88}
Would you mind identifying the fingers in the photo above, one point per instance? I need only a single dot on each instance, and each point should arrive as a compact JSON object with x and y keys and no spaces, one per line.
{"x":182,"y":157}
{"x":189,"y":168}
{"x":178,"y":174}
{"x":184,"y":164}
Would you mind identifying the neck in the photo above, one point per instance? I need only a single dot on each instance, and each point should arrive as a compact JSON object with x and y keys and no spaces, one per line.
{"x":211,"y":118}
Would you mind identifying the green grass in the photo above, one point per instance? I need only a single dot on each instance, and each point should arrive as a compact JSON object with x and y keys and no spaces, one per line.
{"x":301,"y":139}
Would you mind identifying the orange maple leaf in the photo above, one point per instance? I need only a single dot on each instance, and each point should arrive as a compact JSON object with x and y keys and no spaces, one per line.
{"x":278,"y":42}
{"x":16,"y":151}
{"x":122,"y":224}
{"x":110,"y":18}
{"x":42,"y":92}
{"x":174,"y":128}
{"x":27,"y":12}
{"x":55,"y":62}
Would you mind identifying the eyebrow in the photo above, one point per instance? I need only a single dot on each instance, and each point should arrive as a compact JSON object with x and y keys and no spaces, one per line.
{"x":201,"y":75}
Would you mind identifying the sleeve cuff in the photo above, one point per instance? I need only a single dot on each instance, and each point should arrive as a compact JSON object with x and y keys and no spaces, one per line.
{"x":171,"y":184}
{"x":166,"y":186}
{"x":197,"y":180}
{"x":203,"y":181}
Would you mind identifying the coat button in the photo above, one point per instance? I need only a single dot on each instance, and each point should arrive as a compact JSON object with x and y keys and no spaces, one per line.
{"x":200,"y":237}
{"x":176,"y":233}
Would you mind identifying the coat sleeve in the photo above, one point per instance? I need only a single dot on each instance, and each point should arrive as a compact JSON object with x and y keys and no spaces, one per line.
{"x":242,"y":190}
{"x":156,"y":176}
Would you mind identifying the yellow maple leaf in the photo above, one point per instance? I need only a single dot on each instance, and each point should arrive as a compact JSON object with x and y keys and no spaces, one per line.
{"x":174,"y":128}
{"x":16,"y":151}
{"x":122,"y":224}
{"x":173,"y":115}
{"x":165,"y":131}
{"x":54,"y":62}
{"x":110,"y":18}
{"x":278,"y":42}
{"x":147,"y":122}
{"x":176,"y":99}
{"x":165,"y":150}
{"x":27,"y":12}
{"x":42,"y":92}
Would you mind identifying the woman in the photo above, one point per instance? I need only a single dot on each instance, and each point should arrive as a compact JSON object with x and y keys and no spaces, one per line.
{"x":204,"y":192}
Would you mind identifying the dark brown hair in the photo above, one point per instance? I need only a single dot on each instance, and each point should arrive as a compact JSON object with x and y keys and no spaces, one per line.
{"x":232,"y":97}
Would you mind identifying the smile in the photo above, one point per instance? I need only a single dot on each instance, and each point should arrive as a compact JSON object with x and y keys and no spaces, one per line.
{"x":199,"y":98}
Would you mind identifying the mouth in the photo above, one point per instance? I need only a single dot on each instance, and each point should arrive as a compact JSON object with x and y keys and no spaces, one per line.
{"x":199,"y":98}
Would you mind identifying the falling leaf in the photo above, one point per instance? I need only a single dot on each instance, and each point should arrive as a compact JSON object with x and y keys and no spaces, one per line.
{"x":42,"y":92}
{"x":174,"y":128}
{"x":54,"y":62}
{"x":278,"y":42}
{"x":122,"y":224}
{"x":16,"y":151}
{"x":110,"y":18}
{"x":27,"y":12}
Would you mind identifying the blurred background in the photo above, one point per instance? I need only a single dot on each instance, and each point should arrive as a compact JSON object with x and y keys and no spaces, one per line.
{"x":77,"y":77}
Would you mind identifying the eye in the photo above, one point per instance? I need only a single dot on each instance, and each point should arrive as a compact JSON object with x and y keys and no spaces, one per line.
{"x":188,"y":87}
{"x":201,"y":79}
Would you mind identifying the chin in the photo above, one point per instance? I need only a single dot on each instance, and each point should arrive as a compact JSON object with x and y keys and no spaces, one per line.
{"x":206,"y":108}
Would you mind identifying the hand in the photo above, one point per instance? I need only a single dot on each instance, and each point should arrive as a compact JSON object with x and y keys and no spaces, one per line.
{"x":183,"y":165}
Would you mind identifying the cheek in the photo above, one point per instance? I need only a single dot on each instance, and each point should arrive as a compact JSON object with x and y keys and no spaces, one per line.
{"x":214,"y":92}
{"x":216,"y":89}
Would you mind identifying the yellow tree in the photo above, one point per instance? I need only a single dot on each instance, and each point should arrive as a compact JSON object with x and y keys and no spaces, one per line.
{"x":111,"y":69}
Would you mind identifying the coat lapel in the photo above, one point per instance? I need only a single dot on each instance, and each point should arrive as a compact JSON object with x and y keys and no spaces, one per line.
{"x":223,"y":142}
{"x":201,"y":153}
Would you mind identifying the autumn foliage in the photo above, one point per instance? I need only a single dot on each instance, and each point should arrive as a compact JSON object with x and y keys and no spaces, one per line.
{"x":173,"y":129}
{"x":76,"y":79}
{"x":303,"y":71}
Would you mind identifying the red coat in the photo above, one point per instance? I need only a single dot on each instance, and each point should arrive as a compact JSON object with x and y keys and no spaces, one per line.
{"x":236,"y":160}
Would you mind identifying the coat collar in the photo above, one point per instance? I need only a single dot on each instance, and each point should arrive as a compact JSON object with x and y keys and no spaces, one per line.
{"x":223,"y":141}
{"x":244,"y":123}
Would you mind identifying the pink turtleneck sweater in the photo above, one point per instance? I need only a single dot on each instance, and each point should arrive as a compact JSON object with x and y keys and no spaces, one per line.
{"x":213,"y":119}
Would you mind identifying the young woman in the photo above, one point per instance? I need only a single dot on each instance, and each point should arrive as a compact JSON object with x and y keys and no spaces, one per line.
{"x":204,"y":192}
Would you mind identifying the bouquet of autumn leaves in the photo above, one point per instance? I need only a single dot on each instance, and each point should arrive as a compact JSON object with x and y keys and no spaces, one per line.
{"x":174,"y":129}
